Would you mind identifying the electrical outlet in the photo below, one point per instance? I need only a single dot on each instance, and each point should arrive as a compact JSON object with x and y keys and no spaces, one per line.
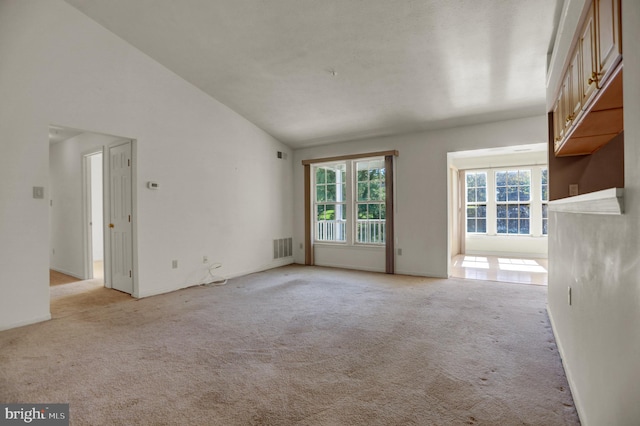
{"x":174,"y":264}
{"x":205,"y":259}
{"x":573,"y":189}
{"x":399,"y":252}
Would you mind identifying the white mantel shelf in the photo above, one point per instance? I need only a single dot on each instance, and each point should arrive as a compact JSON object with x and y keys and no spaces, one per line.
{"x":607,"y":201}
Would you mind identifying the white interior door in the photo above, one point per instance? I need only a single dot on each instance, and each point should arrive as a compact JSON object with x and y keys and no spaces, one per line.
{"x":120,"y":229}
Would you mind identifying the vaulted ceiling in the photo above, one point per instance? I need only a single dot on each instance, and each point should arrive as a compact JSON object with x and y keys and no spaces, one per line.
{"x":311,"y":72}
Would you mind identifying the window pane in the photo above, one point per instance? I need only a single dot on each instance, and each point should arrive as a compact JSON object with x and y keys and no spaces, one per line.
{"x":482,"y":195}
{"x":501,"y":178}
{"x":341,"y":212}
{"x":320,"y":212}
{"x":512,"y":211}
{"x":525,"y":177}
{"x":481,"y":180}
{"x":482,"y":225}
{"x":513,"y":226}
{"x":501,"y":193}
{"x":545,"y":230}
{"x":383,"y":211}
{"x":321,"y":193}
{"x":471,"y":225}
{"x":545,"y":174}
{"x":512,"y":193}
{"x":502,"y":226}
{"x":512,"y":177}
{"x":362,"y":211}
{"x":471,"y":180}
{"x":320,"y":175}
{"x":363,"y":191}
{"x":342,"y":193}
{"x":471,"y":195}
{"x":331,"y":176}
{"x":331,"y":192}
{"x":501,"y":211}
{"x":482,"y":210}
{"x":524,"y":193}
{"x":524,"y":226}
{"x":330,"y":212}
{"x":545,"y":193}
{"x":374,"y":211}
{"x":376,"y":191}
{"x":545,"y":211}
{"x":524,"y":211}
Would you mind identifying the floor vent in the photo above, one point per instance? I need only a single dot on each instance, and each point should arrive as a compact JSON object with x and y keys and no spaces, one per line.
{"x":282,"y":247}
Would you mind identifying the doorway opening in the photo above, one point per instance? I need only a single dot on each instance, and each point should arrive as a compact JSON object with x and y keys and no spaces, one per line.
{"x":86,"y":253}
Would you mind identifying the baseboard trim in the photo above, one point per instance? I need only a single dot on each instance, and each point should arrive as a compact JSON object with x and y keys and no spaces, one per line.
{"x":275,"y":264}
{"x":567,"y":371}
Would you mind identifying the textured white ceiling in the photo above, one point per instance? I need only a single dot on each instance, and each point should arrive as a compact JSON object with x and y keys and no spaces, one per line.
{"x":401,"y":65}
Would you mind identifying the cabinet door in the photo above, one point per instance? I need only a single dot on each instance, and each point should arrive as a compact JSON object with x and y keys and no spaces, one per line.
{"x":587,"y":46}
{"x":574,"y":102}
{"x":609,"y":40}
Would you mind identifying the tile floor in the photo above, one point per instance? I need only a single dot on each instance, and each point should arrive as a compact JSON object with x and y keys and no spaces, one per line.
{"x":500,"y":268}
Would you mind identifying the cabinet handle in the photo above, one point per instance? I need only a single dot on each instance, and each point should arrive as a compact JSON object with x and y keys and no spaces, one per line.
{"x":593,"y":79}
{"x":558,"y":138}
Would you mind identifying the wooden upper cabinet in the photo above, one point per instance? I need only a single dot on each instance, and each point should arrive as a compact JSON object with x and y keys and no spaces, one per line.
{"x":587,"y":52}
{"x":609,"y":38}
{"x":588,"y":111}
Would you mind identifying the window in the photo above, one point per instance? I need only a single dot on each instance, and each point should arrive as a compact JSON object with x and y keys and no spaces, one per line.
{"x":330,"y":202}
{"x":513,"y":197}
{"x":544,"y":190}
{"x":477,"y":202}
{"x":350,"y":189}
{"x":370,"y":202}
{"x":506,"y":201}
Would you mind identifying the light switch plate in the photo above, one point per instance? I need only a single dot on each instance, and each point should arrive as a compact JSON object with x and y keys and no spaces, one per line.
{"x":38,"y":192}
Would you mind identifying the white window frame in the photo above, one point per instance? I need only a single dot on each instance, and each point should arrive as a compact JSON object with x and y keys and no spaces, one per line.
{"x":475,"y":203}
{"x":351,"y":204}
{"x":535,"y":210}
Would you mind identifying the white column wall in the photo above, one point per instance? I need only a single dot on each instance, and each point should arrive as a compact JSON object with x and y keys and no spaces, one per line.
{"x":599,"y":258}
{"x":223,"y":193}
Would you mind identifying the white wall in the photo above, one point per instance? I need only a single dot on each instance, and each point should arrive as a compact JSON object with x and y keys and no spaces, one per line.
{"x":223,"y":192}
{"x":422,"y":227}
{"x":65,"y":192}
{"x":598,"y":257}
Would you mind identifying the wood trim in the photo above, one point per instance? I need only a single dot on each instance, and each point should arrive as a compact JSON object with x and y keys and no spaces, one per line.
{"x":308,"y":247}
{"x":390,"y":264}
{"x":392,"y":153}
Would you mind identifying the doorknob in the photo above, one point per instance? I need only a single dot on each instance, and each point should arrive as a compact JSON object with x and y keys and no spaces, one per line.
{"x":111,"y":225}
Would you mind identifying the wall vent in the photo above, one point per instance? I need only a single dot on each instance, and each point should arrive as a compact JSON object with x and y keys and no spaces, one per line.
{"x":282,"y":247}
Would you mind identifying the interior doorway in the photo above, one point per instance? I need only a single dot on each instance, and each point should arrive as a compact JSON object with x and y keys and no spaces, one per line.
{"x":83,"y":256}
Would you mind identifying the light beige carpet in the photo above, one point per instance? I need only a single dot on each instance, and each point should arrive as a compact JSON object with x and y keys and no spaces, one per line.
{"x":298,"y":346}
